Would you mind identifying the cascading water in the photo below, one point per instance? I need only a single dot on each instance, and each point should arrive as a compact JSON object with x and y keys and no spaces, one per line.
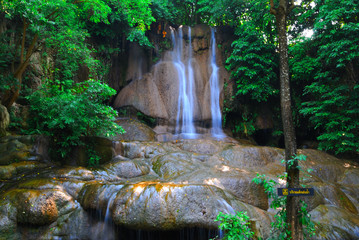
{"x":186,"y":98}
{"x":215,"y":92}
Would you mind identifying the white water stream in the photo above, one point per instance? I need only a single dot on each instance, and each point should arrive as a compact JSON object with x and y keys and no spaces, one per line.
{"x":182,"y":60}
{"x":186,"y":96}
{"x":215,"y":92}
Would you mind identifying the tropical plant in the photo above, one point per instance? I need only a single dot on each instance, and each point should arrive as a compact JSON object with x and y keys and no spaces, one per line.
{"x":38,"y":24}
{"x":68,"y":113}
{"x":327,"y":64}
{"x":280,"y":228}
{"x":235,"y":226}
{"x":253,"y":64}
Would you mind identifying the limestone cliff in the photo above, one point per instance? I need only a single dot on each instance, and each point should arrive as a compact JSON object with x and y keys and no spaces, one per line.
{"x":155,"y":93}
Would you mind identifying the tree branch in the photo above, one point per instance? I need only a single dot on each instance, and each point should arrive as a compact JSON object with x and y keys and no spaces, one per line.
{"x":25,"y":25}
{"x":48,"y":16}
{"x":24,"y":64}
{"x":273,"y":10}
{"x":292,"y":6}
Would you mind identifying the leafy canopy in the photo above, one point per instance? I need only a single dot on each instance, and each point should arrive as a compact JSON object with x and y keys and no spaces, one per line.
{"x":327,"y":64}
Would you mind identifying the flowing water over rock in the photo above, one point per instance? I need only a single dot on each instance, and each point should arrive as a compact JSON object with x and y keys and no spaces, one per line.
{"x":215,"y":92}
{"x":183,"y":91}
{"x":186,"y":96}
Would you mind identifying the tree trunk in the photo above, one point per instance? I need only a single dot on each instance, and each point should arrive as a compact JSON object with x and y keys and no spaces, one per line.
{"x":12,"y":94}
{"x":293,"y":204}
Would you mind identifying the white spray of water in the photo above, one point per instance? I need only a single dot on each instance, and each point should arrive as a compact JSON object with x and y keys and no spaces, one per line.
{"x":184,"y":121}
{"x":215,"y":92}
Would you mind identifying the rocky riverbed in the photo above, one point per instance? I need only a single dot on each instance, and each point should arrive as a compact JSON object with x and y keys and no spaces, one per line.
{"x":163,"y":186}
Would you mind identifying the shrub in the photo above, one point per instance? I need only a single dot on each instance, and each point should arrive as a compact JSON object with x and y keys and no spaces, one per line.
{"x":66,"y":112}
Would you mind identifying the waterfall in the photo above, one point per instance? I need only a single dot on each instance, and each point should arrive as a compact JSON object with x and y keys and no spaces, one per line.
{"x":186,"y":98}
{"x":215,"y":92}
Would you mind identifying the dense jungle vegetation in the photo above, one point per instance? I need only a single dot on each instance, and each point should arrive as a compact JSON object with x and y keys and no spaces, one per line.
{"x":73,"y":35}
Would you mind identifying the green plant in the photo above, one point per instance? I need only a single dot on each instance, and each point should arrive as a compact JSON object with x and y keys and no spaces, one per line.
{"x":93,"y":157}
{"x":280,"y":227}
{"x":66,"y":113}
{"x":146,"y":119}
{"x":246,"y":125}
{"x":252,"y":63}
{"x":235,"y":226}
{"x":325,"y":69}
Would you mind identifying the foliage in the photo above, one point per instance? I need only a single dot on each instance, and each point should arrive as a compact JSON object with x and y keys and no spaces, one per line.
{"x":245,"y":125}
{"x":93,"y":157}
{"x":150,"y":121}
{"x":61,"y":29}
{"x":225,"y":12}
{"x":327,"y":64}
{"x":68,"y":113}
{"x":164,"y":10}
{"x":280,"y":226}
{"x":252,"y":64}
{"x":235,"y":226}
{"x":40,"y":25}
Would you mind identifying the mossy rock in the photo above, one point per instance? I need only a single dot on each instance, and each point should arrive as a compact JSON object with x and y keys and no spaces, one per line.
{"x":135,"y":131}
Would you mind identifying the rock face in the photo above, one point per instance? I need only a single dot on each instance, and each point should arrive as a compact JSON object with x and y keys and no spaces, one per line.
{"x":4,"y":120}
{"x":167,"y":186}
{"x":135,"y":131}
{"x":156,"y":93}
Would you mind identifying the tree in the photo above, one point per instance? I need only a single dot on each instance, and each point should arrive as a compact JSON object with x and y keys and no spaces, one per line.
{"x":63,"y":27}
{"x":281,"y":12}
{"x":328,"y":64}
{"x":67,"y":114}
{"x":47,"y":24}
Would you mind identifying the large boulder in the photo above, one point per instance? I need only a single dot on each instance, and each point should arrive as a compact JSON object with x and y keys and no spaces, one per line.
{"x":16,"y":149}
{"x":166,"y":206}
{"x":135,"y":131}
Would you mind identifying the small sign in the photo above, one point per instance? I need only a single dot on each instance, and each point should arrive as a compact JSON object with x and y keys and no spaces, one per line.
{"x":295,"y":192}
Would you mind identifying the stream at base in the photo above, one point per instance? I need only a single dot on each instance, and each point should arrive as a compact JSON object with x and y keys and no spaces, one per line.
{"x":105,"y":229}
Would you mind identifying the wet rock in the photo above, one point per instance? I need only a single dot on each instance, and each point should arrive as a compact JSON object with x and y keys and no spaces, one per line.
{"x":337,"y":222}
{"x":128,"y":169}
{"x":4,"y":120}
{"x":165,"y":206}
{"x":236,"y":181}
{"x":97,"y":195}
{"x":171,"y":165}
{"x":144,"y":95}
{"x":334,"y":196}
{"x":350,"y":177}
{"x":329,"y":232}
{"x":12,"y":170}
{"x":34,"y":208}
{"x":73,"y":225}
{"x":48,"y":215}
{"x":147,"y":150}
{"x":250,"y":157}
{"x":79,"y":173}
{"x":13,"y":150}
{"x":325,"y":166}
{"x":135,"y":131}
{"x":202,"y":146}
{"x":38,"y":207}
